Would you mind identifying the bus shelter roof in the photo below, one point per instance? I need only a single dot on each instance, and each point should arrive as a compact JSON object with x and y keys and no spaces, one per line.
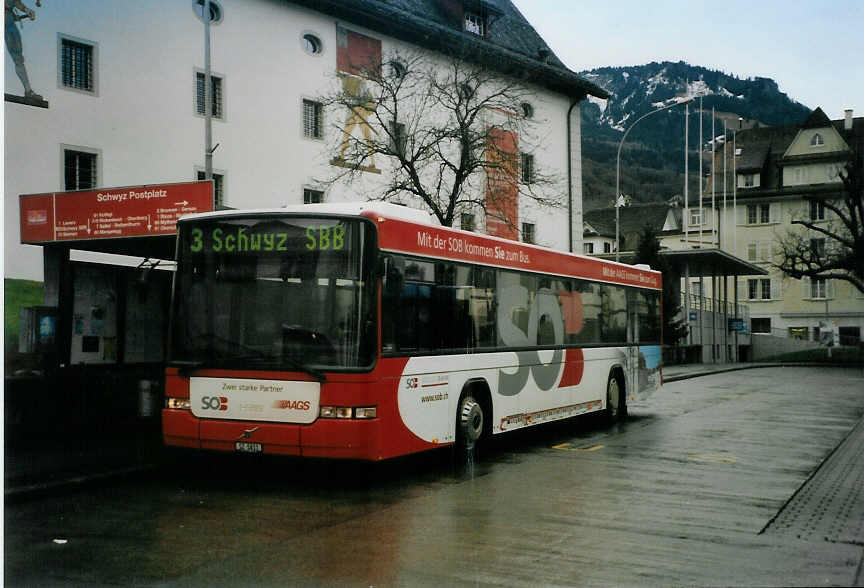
{"x":709,"y":262}
{"x":155,"y":246}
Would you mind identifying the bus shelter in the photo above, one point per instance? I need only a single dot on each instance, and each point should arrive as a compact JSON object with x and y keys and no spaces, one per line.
{"x":96,"y":346}
{"x":718,"y":323}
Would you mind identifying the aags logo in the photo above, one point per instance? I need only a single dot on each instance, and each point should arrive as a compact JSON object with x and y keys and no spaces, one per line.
{"x":214,"y":403}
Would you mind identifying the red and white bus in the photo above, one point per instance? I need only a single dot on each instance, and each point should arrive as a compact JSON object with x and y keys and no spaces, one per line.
{"x":343,"y":331}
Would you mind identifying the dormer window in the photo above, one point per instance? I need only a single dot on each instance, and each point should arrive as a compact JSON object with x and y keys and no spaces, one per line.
{"x":475,"y":24}
{"x":817,"y":140}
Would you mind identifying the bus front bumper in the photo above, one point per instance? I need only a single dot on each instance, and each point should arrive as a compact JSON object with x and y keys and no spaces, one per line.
{"x":327,"y":438}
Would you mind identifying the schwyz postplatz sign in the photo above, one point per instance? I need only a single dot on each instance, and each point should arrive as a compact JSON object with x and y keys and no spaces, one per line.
{"x":111,"y":213}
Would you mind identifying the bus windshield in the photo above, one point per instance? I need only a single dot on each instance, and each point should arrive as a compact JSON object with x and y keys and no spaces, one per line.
{"x":274,"y":293}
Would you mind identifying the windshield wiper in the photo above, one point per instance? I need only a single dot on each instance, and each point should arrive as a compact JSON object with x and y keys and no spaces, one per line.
{"x":299,"y":365}
{"x":185,"y":366}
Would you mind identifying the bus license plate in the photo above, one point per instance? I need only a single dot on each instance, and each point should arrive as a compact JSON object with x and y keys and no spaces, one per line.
{"x":246,"y":447}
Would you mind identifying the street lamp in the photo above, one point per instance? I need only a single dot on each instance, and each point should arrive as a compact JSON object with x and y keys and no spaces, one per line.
{"x":618,"y":167}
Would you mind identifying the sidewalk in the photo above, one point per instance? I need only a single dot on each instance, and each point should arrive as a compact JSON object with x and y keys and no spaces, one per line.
{"x":39,"y":466}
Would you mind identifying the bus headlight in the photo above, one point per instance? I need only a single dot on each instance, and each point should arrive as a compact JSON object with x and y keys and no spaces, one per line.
{"x":347,"y":412}
{"x":178,"y":403}
{"x":335,"y":412}
{"x":365,"y":412}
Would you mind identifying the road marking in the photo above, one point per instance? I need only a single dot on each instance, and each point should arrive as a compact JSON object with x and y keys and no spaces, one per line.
{"x":569,"y":447}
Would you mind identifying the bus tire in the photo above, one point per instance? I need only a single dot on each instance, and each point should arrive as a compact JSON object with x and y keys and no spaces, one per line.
{"x":616,"y":398}
{"x":470,"y":422}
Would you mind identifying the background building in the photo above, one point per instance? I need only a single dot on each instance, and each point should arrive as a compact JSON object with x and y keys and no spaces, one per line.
{"x":122,"y":99}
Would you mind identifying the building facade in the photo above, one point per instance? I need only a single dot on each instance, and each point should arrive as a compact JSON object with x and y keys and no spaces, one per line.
{"x":784,"y":174}
{"x":118,"y":99}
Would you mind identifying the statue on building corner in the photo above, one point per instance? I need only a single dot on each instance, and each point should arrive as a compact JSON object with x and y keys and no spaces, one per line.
{"x":16,"y":10}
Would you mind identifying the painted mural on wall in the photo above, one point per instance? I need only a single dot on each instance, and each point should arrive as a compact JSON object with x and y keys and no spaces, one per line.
{"x":356,"y":56}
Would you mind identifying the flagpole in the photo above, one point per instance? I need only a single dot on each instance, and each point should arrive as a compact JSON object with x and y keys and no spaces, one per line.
{"x":713,"y":181}
{"x":701,"y":210}
{"x":686,"y":172}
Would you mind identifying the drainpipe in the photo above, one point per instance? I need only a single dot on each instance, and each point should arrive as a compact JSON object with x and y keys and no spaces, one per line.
{"x":570,"y":178}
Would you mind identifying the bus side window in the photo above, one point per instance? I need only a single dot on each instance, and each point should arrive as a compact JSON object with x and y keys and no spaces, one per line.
{"x":481,"y":307}
{"x":391,"y":282}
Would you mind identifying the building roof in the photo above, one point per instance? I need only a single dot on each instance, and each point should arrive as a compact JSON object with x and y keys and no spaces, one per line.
{"x":817,"y":119}
{"x":763,"y":150}
{"x":511,"y":44}
{"x":632,"y":219}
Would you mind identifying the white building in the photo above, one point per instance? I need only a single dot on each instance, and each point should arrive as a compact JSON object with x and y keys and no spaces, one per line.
{"x":121,"y":85}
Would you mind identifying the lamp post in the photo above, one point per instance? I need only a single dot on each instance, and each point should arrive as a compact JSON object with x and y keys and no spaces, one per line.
{"x":618,"y":168}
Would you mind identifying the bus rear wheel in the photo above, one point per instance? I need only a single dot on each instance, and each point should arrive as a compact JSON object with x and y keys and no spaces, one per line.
{"x":616,"y":399}
{"x":470,"y":421}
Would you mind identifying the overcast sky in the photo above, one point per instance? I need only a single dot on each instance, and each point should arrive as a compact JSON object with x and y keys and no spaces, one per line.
{"x":811,"y":48}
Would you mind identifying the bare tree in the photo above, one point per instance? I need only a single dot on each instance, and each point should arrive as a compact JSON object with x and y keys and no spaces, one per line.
{"x":444,"y":131}
{"x":832,"y":249}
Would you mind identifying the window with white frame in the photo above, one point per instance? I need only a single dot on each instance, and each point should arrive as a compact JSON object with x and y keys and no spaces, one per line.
{"x":216,"y":103}
{"x":526,"y":168}
{"x":749,"y":180}
{"x":758,"y":214}
{"x":528,"y":232}
{"x":80,"y":169}
{"x":607,"y":247}
{"x":218,"y":186}
{"x":475,"y":24}
{"x":312,"y":196}
{"x":759,"y":251}
{"x":588,"y":248}
{"x":466,"y":221}
{"x":818,"y":288}
{"x":817,"y":247}
{"x":312,"y":119}
{"x":759,"y":289}
{"x":77,"y":65}
{"x":760,"y":325}
{"x":817,"y":210}
{"x":697,"y":217}
{"x":817,"y":140}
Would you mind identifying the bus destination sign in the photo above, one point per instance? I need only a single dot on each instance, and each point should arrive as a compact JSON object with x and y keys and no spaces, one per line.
{"x":110,"y":213}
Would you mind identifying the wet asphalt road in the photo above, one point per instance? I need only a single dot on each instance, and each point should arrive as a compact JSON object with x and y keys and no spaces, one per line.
{"x":697,"y":488}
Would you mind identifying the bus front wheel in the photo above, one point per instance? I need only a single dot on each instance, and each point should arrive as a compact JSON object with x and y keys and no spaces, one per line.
{"x":616,"y":399}
{"x":469,"y":422}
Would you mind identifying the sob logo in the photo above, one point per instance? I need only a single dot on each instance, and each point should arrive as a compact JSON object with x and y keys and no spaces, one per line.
{"x":214,"y":403}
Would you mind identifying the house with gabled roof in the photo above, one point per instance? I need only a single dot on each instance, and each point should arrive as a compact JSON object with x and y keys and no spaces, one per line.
{"x":782,"y":174}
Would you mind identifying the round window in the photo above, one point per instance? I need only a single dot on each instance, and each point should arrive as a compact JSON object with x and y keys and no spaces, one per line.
{"x":312,"y":44}
{"x":215,"y":10}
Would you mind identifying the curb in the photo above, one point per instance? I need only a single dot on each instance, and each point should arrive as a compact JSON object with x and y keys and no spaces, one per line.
{"x":737,"y":368}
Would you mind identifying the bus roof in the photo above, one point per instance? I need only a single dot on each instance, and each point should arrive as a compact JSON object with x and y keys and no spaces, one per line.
{"x":406,"y":230}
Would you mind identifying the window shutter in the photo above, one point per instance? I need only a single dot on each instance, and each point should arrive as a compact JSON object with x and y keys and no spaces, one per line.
{"x":742,"y":214}
{"x":776,"y":288}
{"x":752,"y":251}
{"x":742,"y":289}
{"x":764,"y":250}
{"x":774,"y":212}
{"x":829,"y":288}
{"x":805,"y":287}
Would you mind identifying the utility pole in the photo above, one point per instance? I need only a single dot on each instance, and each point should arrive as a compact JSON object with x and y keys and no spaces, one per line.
{"x":208,"y":96}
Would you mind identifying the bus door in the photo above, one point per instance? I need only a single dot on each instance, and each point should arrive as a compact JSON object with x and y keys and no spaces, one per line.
{"x":632,"y":344}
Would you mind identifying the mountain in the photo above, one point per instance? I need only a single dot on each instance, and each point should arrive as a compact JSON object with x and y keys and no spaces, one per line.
{"x":652,"y":159}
